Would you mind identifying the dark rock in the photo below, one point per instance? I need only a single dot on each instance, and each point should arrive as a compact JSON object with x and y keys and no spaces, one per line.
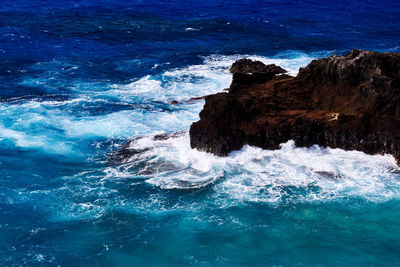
{"x":245,"y":65}
{"x":190,"y":100}
{"x":166,"y":136}
{"x":193,"y":99}
{"x":350,"y":102}
{"x":247,"y":72}
{"x":128,"y":150}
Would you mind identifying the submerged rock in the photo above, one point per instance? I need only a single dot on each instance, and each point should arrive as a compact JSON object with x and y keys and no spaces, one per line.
{"x":190,"y":100}
{"x":129,"y":150}
{"x":350,"y":102}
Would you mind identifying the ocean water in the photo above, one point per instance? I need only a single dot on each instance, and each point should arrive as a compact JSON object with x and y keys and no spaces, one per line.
{"x":78,"y":79}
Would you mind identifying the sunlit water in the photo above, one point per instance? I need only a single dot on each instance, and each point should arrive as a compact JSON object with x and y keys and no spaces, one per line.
{"x":79,"y":80}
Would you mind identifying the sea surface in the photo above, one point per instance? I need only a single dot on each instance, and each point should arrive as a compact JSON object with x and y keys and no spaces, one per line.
{"x":78,"y":79}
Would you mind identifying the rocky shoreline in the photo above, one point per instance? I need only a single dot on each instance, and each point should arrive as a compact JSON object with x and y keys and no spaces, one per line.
{"x":350,"y":102}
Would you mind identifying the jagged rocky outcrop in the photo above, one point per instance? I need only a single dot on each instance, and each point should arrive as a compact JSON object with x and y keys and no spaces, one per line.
{"x":350,"y":102}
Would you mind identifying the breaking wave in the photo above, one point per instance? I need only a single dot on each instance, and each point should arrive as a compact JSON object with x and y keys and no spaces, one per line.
{"x":255,"y":174}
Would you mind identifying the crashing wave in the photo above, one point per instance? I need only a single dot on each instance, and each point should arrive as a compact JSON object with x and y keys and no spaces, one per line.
{"x":254,"y":174}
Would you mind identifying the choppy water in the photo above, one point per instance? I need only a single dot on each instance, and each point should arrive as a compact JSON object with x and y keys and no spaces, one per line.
{"x":80,"y":79}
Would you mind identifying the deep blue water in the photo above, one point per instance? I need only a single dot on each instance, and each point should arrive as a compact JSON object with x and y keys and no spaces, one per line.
{"x":80,"y":78}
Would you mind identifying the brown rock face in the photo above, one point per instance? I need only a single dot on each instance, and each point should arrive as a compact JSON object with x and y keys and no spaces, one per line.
{"x":350,"y":102}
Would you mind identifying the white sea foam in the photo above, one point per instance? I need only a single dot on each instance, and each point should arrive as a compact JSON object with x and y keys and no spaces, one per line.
{"x":198,"y":80}
{"x":192,"y":29}
{"x":23,"y":140}
{"x":254,"y":174}
{"x":23,"y":123}
{"x":289,"y":174}
{"x":45,"y":124}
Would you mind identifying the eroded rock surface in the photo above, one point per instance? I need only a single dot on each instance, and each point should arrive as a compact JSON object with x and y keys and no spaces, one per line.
{"x":350,"y":102}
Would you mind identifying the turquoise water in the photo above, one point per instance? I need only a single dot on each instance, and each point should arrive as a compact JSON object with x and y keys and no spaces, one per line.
{"x":80,"y":79}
